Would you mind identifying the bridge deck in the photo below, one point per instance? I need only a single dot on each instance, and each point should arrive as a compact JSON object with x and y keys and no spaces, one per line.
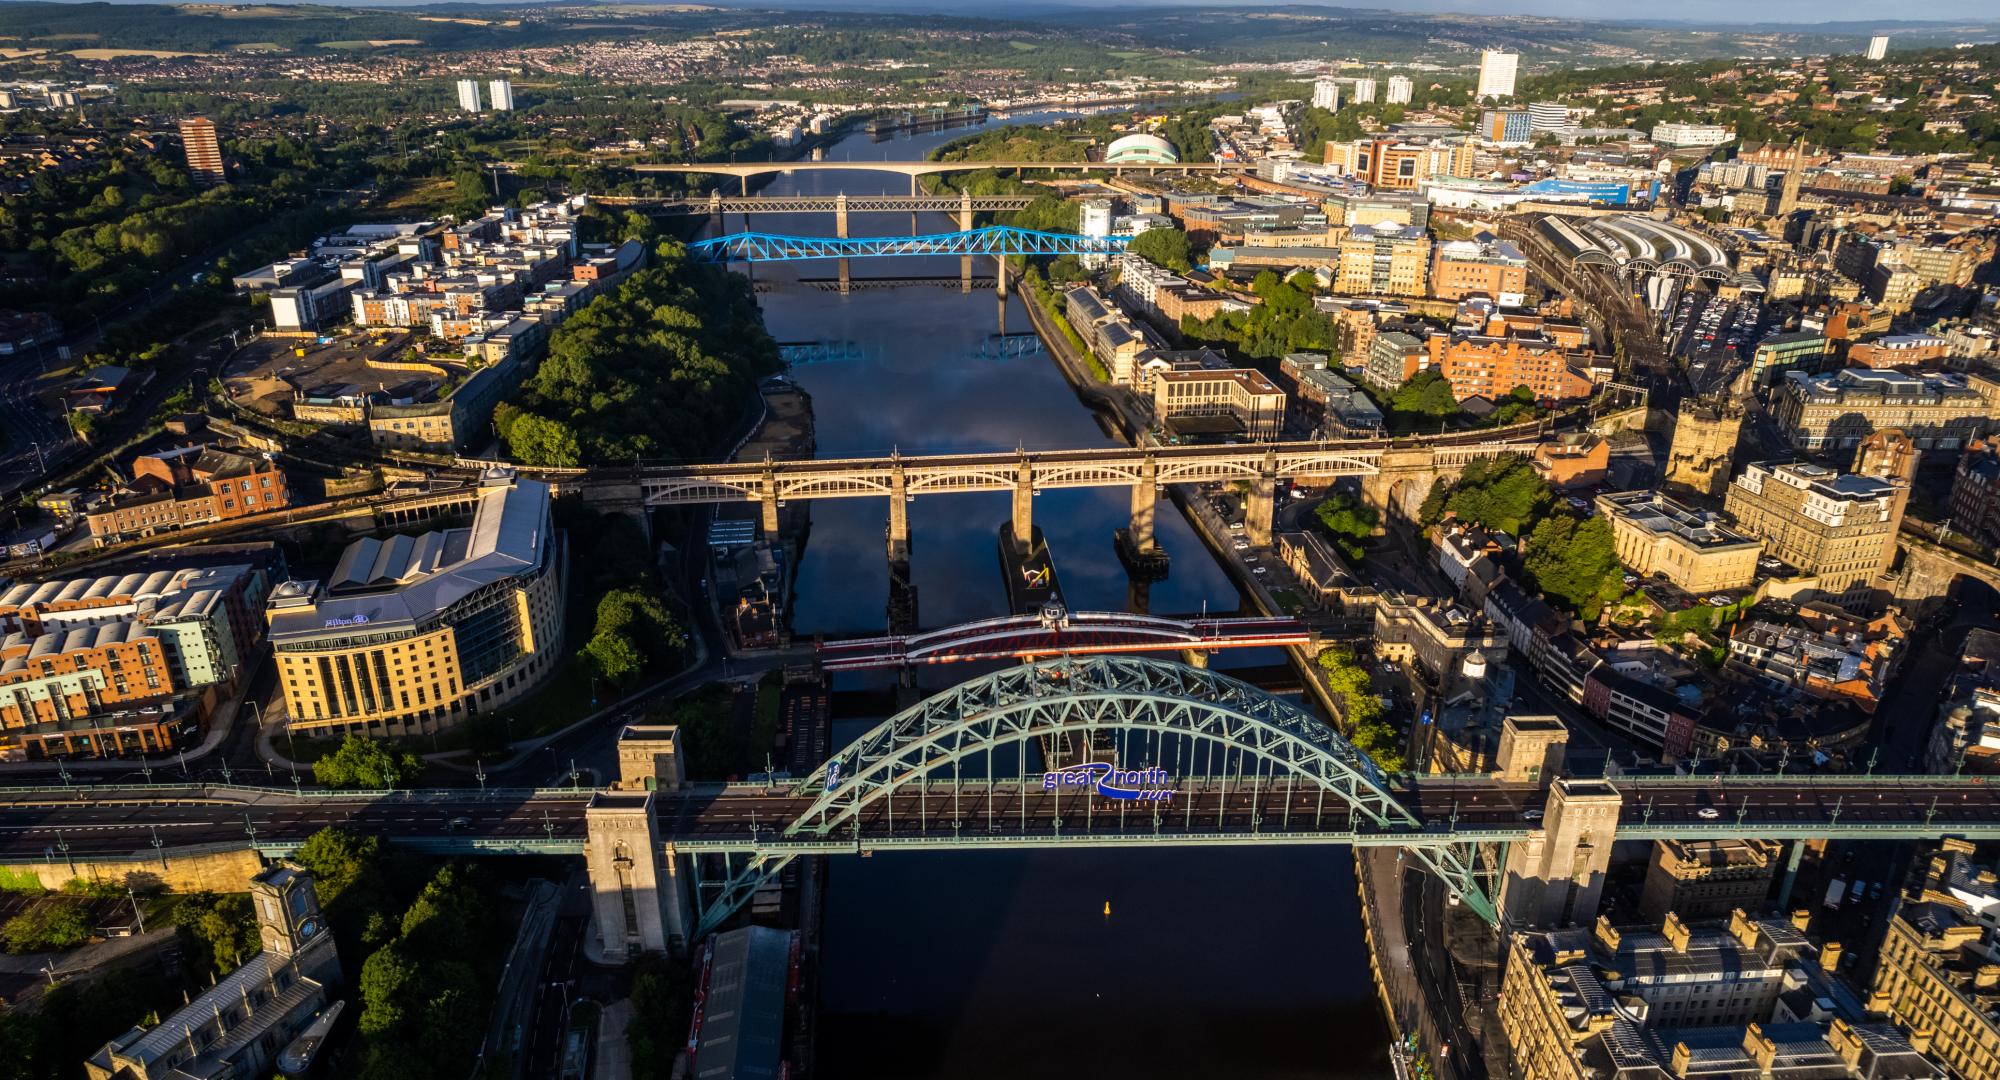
{"x":50,"y":824}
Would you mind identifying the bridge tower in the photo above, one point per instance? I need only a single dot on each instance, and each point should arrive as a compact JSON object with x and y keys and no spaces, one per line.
{"x":840,"y":230}
{"x":769,"y":499}
{"x":1145,"y":501}
{"x":1554,"y":878}
{"x":1263,"y":493}
{"x":1024,"y":504}
{"x":641,"y":904}
{"x":965,"y":225}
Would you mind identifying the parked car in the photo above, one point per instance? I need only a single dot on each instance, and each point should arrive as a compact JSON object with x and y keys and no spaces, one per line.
{"x":1708,"y":813}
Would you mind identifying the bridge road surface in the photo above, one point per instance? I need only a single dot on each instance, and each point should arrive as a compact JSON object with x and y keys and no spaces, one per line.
{"x":127,"y":821}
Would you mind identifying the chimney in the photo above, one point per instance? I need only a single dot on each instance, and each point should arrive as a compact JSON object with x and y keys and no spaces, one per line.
{"x":1987,"y":977}
{"x":1878,"y":1001}
{"x":1759,"y":1046}
{"x":1682,"y":1057}
{"x":1607,"y":934}
{"x":1676,"y":932}
{"x":1742,"y":929}
{"x":1845,"y":1041}
{"x":1920,"y":1040}
{"x":1829,"y":956}
{"x":1801,"y":919}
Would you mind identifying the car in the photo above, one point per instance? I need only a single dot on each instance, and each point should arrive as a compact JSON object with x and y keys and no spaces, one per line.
{"x":1388,"y":667}
{"x":458,"y":823}
{"x":1718,"y":600}
{"x":1259,"y":570}
{"x":1241,"y":545}
{"x":1875,"y":891}
{"x":1249,"y":560}
{"x":1708,"y":813}
{"x":1235,"y":526}
{"x":1531,"y":815}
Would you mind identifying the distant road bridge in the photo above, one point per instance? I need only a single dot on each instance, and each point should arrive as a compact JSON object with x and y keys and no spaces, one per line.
{"x":744,"y":170}
{"x":816,"y":204}
{"x":1073,"y":633}
{"x":997,"y":241}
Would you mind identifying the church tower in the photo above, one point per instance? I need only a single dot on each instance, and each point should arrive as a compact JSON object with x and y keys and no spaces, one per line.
{"x":1795,"y":174}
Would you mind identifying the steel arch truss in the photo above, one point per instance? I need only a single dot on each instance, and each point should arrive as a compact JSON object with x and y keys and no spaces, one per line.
{"x":1470,"y":870}
{"x":734,"y":890}
{"x":991,"y":240}
{"x":1102,"y":693}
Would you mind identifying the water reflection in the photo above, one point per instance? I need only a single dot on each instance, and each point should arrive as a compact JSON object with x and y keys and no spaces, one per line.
{"x":1230,"y":962}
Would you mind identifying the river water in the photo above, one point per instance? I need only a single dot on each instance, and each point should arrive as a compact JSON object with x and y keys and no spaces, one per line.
{"x":1233,"y":962}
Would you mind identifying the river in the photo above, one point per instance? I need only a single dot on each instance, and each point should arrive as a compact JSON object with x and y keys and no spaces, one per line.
{"x":1246,"y":963}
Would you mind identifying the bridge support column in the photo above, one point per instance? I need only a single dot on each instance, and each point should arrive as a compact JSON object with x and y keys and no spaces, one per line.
{"x":1554,"y":877}
{"x":1000,"y":275}
{"x":1024,"y":506}
{"x":1791,"y":874}
{"x":1263,"y":493}
{"x":840,"y":230}
{"x":746,"y":185}
{"x":1145,"y":506}
{"x":965,"y":225}
{"x":769,"y":500}
{"x":640,"y":900}
{"x":899,"y":516}
{"x":1195,"y":658}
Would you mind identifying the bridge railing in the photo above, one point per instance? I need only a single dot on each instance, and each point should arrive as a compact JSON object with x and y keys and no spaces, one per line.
{"x":81,"y":792}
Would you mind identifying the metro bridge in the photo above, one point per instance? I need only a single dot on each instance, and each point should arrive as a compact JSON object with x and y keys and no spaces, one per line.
{"x":998,"y":241}
{"x":670,"y":861}
{"x":1061,"y":633}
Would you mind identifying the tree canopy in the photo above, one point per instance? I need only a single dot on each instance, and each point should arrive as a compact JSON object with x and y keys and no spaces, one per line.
{"x":1504,"y":493}
{"x":1164,"y":247}
{"x":1284,"y":322}
{"x":365,"y":763}
{"x":1574,"y":562}
{"x":1348,"y":520}
{"x":1370,"y":733}
{"x":659,"y":368}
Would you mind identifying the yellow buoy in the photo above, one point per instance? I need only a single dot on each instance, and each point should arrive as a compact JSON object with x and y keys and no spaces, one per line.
{"x":1107,"y":909}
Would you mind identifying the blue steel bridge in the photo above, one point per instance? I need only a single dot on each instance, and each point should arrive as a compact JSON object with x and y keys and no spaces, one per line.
{"x":995,"y":240}
{"x":955,"y":773}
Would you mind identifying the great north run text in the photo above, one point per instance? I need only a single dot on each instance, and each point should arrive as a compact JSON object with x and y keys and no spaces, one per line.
{"x":1145,"y":785}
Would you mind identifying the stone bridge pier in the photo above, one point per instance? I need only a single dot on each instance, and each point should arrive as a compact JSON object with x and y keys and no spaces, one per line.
{"x":1928,"y":571}
{"x":1024,"y":504}
{"x":1145,"y":507}
{"x":1261,"y":505}
{"x":1405,"y":478}
{"x":840,"y":230}
{"x":965,"y":225}
{"x":638,"y":883}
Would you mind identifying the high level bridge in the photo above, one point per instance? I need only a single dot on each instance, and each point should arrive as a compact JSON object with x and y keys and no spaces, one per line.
{"x":1061,"y":633}
{"x":1201,"y":760}
{"x":1392,"y":472}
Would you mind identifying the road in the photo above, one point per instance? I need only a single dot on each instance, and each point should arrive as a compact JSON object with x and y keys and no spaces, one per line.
{"x":1202,"y":809}
{"x":542,"y":1047}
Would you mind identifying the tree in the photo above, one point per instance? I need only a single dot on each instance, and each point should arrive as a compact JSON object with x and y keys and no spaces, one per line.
{"x":219,"y":931}
{"x":49,"y":925}
{"x":1163,"y":247}
{"x":1427,"y":394}
{"x":1349,"y":522}
{"x":1366,"y":728}
{"x":1574,"y":562}
{"x":633,"y":629}
{"x":1504,"y":493}
{"x":365,"y":763}
{"x":338,"y":859}
{"x":537,"y":440}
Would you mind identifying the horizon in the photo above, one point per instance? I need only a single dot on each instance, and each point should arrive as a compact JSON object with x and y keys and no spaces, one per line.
{"x":1798,"y":15}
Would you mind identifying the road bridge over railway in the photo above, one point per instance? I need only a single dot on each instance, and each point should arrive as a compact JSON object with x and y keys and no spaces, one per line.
{"x":1180,"y":757}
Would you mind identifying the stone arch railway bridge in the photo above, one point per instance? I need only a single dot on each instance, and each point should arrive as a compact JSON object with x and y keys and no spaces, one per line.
{"x":1394,"y":475}
{"x":1203,"y":760}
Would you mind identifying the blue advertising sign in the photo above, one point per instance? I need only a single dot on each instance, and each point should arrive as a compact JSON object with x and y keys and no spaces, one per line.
{"x":1141,"y":785}
{"x":833,"y":774}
